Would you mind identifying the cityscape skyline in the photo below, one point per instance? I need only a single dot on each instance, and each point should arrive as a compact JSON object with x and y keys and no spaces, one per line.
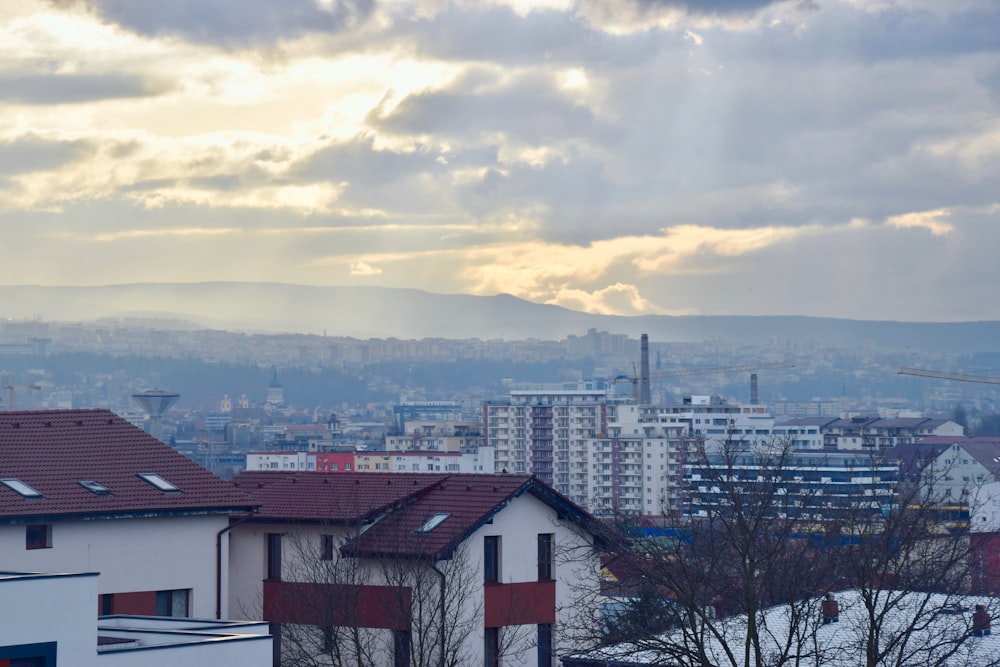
{"x":738,"y":157}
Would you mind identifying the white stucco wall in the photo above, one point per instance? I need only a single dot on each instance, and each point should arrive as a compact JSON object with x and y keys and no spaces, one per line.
{"x":51,"y":608}
{"x":130,"y":554}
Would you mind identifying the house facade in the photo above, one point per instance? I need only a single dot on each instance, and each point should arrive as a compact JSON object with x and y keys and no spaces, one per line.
{"x":396,"y":569}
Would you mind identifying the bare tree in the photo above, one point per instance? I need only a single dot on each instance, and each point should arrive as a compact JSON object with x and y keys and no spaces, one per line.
{"x":737,"y":576}
{"x":442,"y":605}
{"x":325,"y":590}
{"x":911,"y":566}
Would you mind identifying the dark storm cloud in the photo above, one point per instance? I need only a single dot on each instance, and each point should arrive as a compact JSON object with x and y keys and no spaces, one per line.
{"x":234,"y":23}
{"x":32,"y":153}
{"x":74,"y":88}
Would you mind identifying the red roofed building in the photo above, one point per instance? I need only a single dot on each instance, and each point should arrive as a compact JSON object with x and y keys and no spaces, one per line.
{"x":488,"y":569}
{"x":86,"y":491}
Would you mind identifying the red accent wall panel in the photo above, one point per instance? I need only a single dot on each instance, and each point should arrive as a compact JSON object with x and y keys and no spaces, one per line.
{"x":139,"y":604}
{"x":984,"y":559}
{"x":386,"y":607}
{"x":528,"y":603}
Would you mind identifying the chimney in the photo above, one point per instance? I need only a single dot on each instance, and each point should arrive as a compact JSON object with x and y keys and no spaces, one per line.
{"x":644,"y":398}
{"x":753,"y":389}
{"x":830,"y":609}
{"x":980,"y":621}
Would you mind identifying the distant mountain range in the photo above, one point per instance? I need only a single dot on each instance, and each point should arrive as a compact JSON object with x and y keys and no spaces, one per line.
{"x":381,"y":312}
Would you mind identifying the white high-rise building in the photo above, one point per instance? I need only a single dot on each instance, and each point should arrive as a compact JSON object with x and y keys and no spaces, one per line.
{"x":589,"y":447}
{"x":605,"y":453}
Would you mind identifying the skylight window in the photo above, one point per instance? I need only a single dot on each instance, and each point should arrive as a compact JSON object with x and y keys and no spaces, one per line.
{"x":159,"y":482}
{"x":433,"y":522}
{"x":20,"y":488}
{"x":94,"y":487}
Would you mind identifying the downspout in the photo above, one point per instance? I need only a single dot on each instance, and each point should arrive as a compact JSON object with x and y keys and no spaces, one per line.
{"x":218,"y":560}
{"x":441,"y":609}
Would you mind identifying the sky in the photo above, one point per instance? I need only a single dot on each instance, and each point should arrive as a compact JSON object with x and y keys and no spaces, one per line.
{"x":835,"y":158}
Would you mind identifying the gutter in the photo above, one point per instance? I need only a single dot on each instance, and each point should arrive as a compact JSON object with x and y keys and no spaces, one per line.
{"x":441,"y":611}
{"x":218,"y":559}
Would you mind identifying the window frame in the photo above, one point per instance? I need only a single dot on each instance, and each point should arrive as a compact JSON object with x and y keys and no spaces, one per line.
{"x":169,"y":600}
{"x":492,"y":573}
{"x":33,"y":539}
{"x":326,"y":547}
{"x":546,"y":569}
{"x":272,"y":561}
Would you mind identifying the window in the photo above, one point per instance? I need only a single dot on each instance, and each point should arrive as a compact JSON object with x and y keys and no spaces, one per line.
{"x":433,"y":522}
{"x":20,"y":488}
{"x":401,"y":648}
{"x":94,"y":487}
{"x":545,"y":556}
{"x":159,"y":482}
{"x":545,"y":645}
{"x":29,"y":655}
{"x":326,"y":547}
{"x":491,"y":647}
{"x":38,"y":536}
{"x":274,"y":556}
{"x":172,"y":603}
{"x":491,"y":559}
{"x":329,"y":639}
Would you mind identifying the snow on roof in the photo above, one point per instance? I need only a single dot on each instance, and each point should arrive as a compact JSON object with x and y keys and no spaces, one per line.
{"x":943,"y":635}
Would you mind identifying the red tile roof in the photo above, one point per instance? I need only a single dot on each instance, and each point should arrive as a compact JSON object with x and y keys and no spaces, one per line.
{"x":342,"y":497}
{"x":398,"y":504}
{"x":53,"y":450}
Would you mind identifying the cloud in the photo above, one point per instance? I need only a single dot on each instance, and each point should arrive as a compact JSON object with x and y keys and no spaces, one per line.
{"x":542,"y":271}
{"x":364,"y":269}
{"x":36,"y":152}
{"x":235,"y":23}
{"x":160,"y":233}
{"x":617,"y":299}
{"x":622,"y":156}
{"x":934,"y":221}
{"x":75,"y":88}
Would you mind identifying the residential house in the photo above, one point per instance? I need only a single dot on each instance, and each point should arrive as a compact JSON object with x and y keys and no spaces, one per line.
{"x":488,"y":569}
{"x":129,"y":529}
{"x":86,"y":491}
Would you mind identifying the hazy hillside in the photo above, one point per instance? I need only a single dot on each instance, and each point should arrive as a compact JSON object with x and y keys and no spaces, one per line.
{"x":376,"y":312}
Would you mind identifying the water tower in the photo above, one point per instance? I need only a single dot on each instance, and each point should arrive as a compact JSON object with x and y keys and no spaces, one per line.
{"x":155,"y":403}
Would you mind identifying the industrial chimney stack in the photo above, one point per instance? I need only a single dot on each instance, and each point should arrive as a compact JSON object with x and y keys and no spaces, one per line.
{"x":644,"y":397}
{"x":753,"y":389}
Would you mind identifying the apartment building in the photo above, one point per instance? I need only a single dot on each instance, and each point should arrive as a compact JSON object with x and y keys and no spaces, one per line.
{"x":873,"y":433}
{"x":595,"y":450}
{"x":476,"y":460}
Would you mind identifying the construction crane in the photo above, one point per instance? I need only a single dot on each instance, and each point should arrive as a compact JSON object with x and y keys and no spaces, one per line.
{"x":943,"y":375}
{"x":635,"y":379}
